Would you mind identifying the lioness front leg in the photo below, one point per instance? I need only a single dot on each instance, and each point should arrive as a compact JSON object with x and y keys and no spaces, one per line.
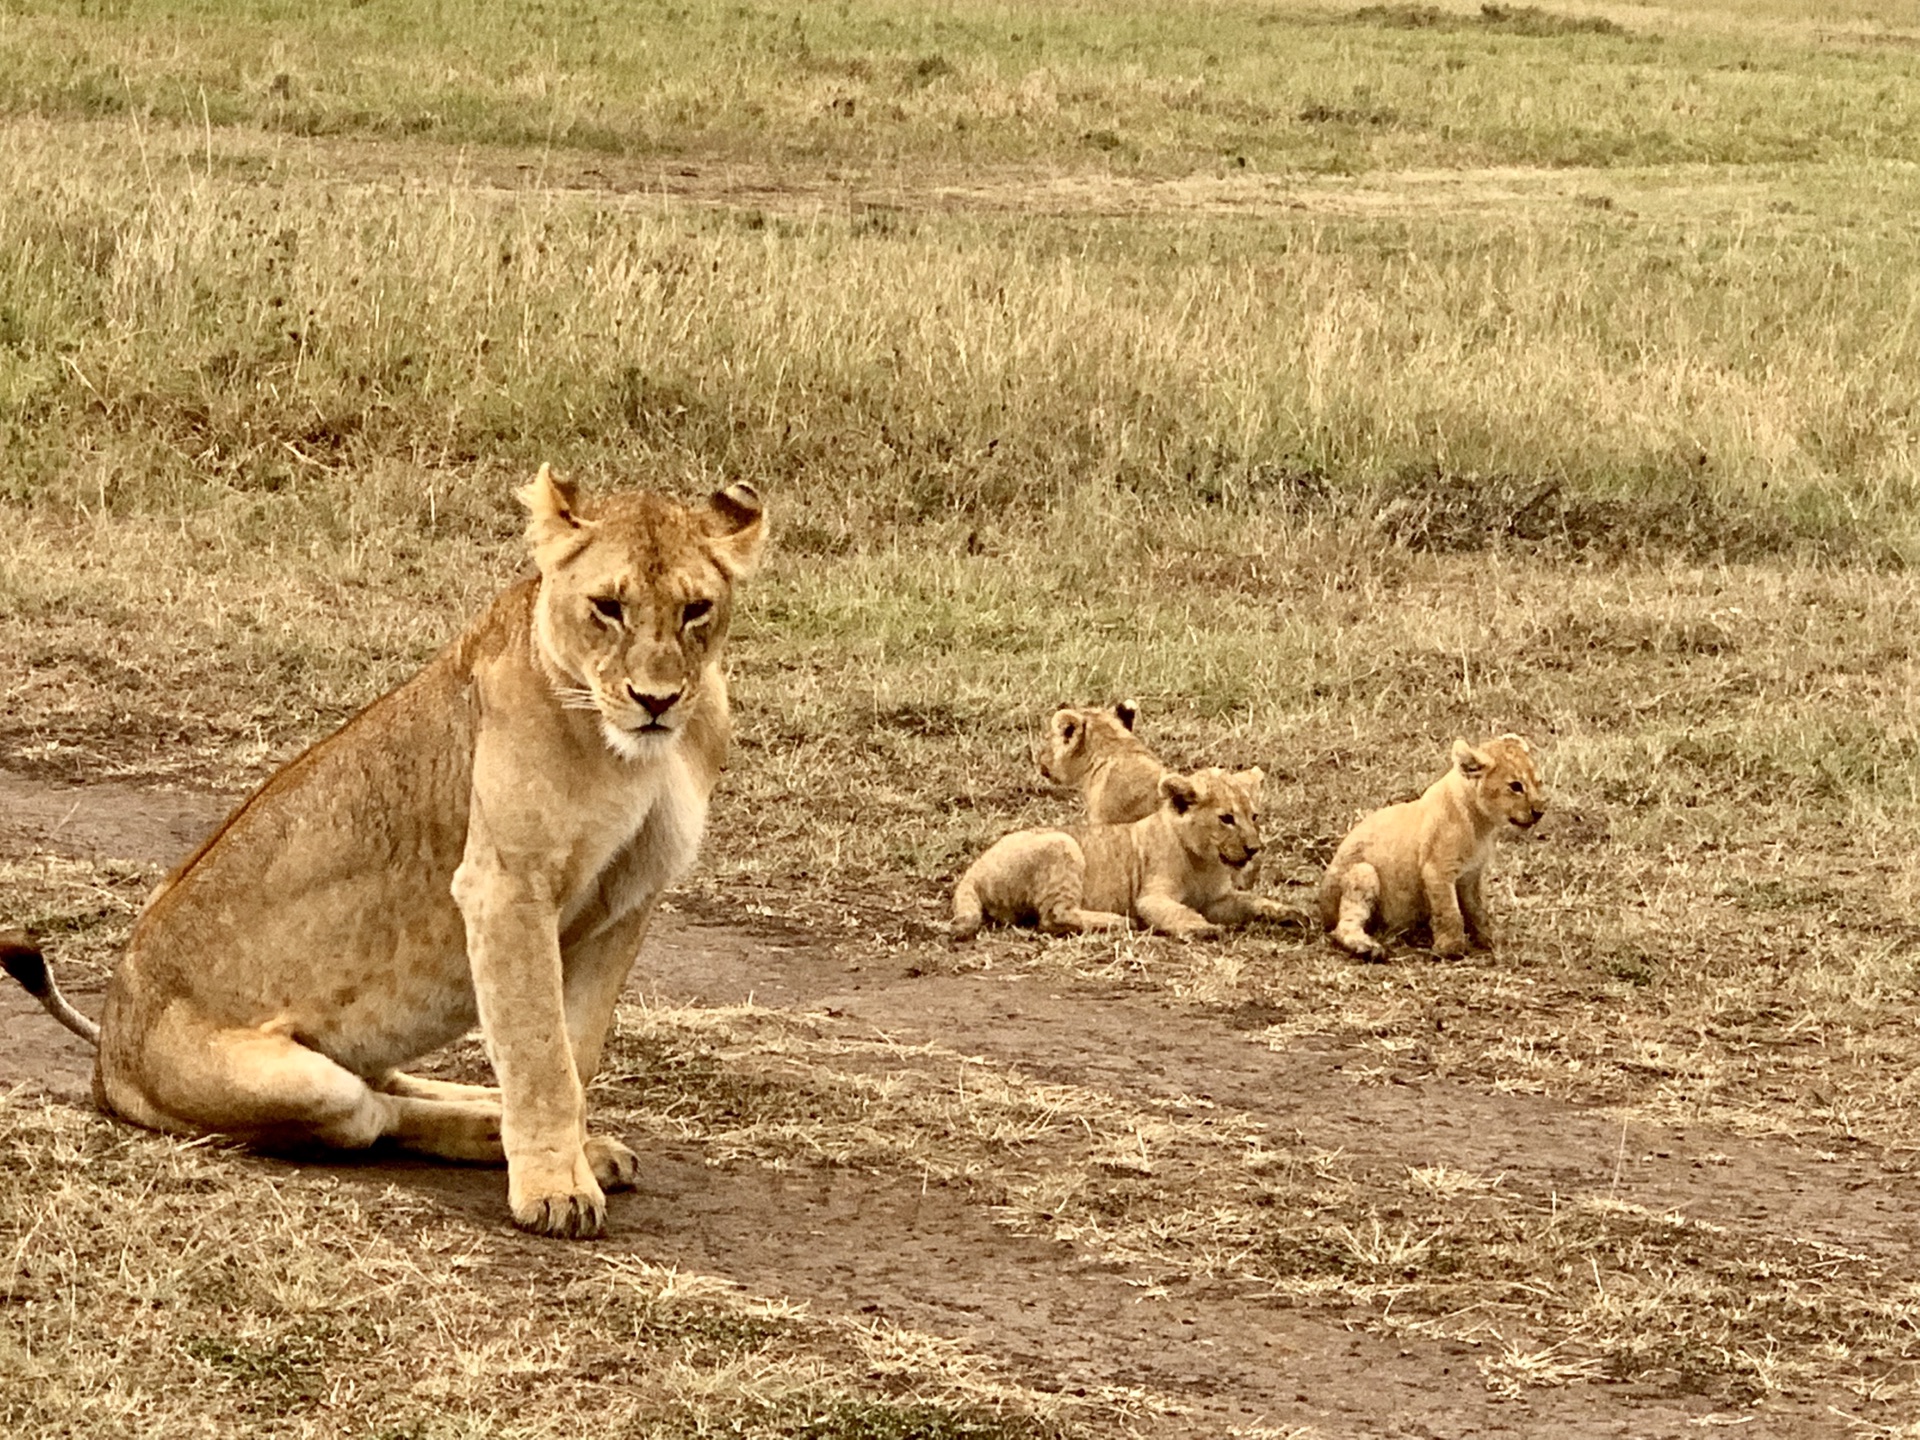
{"x":597,"y":965}
{"x":1443,"y":912}
{"x":1473,"y":909}
{"x":513,"y":947}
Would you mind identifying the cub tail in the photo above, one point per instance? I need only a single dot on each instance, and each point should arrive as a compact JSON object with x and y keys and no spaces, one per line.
{"x":22,"y":959}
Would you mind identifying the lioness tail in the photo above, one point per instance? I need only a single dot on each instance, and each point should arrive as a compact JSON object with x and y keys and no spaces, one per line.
{"x":21,"y":959}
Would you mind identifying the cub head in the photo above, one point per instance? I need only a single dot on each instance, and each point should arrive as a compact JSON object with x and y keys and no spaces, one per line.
{"x":1215,"y":813}
{"x":1502,"y":780}
{"x":1077,"y":738}
{"x":636,"y":592}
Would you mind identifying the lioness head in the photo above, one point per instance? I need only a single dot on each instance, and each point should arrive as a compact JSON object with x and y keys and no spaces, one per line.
{"x":1502,"y":780}
{"x":1215,"y":813}
{"x":635,"y":596}
{"x":1077,"y":738}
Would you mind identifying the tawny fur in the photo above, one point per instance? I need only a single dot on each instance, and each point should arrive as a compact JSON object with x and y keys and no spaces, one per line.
{"x":1426,"y":859}
{"x":485,"y":843}
{"x":1096,"y":752}
{"x":1172,"y":871}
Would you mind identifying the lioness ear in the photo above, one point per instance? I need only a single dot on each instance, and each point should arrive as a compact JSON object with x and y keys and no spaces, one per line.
{"x":737,"y":521}
{"x":1468,"y":760}
{"x":1125,"y":711}
{"x":1179,"y":792}
{"x":550,"y":512}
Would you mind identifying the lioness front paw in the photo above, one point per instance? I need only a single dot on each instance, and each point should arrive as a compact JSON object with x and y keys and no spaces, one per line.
{"x":561,"y":1199}
{"x":614,"y":1165}
{"x":581,"y":1215}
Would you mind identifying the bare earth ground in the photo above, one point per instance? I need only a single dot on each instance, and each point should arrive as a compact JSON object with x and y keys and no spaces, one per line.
{"x":925,"y":1256}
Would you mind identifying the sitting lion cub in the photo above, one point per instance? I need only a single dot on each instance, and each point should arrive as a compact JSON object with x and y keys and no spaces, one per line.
{"x":1424,"y":860}
{"x":1173,"y":870}
{"x":1096,"y":752}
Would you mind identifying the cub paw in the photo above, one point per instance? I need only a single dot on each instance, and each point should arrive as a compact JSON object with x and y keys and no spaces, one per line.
{"x":614,"y":1165}
{"x":1450,"y":949}
{"x":1362,"y":946}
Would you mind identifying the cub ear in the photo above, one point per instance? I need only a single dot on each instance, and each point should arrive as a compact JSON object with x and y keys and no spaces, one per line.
{"x":1179,"y":792}
{"x":1066,"y":724}
{"x":1126,"y":712}
{"x":737,"y":523}
{"x":1519,"y":742}
{"x":1252,"y":779}
{"x":1469,"y":761}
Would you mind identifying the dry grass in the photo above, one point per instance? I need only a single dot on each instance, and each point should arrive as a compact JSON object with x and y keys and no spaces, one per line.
{"x":1504,"y":393}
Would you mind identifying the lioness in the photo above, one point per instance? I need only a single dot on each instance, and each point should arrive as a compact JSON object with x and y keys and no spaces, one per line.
{"x":1096,"y":752}
{"x":1425,"y":859}
{"x":484,"y":843}
{"x":1173,"y":870}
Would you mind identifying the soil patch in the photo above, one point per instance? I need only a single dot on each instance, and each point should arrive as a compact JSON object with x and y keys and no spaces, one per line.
{"x":1214,"y":1354}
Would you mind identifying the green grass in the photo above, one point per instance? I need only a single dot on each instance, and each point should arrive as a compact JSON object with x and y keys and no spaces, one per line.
{"x":1152,"y":87}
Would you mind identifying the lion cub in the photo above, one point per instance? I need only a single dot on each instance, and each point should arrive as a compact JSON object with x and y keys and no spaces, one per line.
{"x":1173,"y":870}
{"x":1096,"y":752}
{"x":1424,"y":860}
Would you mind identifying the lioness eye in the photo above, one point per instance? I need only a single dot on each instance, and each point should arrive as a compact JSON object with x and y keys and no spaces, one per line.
{"x":607,"y":608}
{"x":695,"y":612}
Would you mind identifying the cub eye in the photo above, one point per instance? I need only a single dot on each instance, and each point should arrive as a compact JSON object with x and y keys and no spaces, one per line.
{"x":694,"y":612}
{"x":608,"y":608}
{"x":1226,"y":819}
{"x":1516,"y":787}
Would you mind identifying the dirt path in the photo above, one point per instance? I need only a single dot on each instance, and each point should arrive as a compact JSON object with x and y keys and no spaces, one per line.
{"x":859,"y":1244}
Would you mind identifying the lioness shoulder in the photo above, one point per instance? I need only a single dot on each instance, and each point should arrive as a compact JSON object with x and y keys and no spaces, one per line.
{"x":1426,"y":859}
{"x":1172,"y":871}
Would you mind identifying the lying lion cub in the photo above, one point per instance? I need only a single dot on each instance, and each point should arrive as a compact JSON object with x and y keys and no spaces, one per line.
{"x":1096,"y":752}
{"x":1173,"y":871}
{"x":1425,"y":859}
{"x":486,"y":843}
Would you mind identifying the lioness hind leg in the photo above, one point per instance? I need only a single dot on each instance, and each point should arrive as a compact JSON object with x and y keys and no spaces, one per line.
{"x":1359,"y":897}
{"x":264,"y":1086}
{"x":615,"y":1166}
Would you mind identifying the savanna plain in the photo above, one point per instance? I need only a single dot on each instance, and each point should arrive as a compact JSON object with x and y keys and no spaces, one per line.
{"x":1331,"y":379}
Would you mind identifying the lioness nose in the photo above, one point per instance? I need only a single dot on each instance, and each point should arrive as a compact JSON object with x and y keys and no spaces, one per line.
{"x":654,"y":705}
